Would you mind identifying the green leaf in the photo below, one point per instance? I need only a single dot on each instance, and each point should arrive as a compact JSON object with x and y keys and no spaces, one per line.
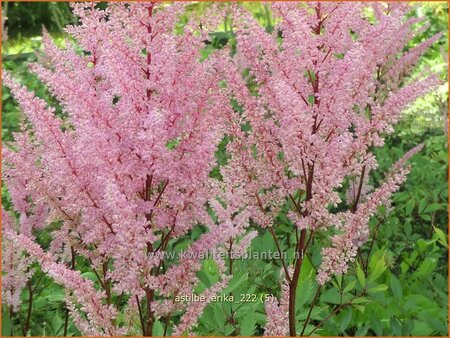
{"x":409,"y":207}
{"x":158,"y":329}
{"x":332,"y":296}
{"x":350,"y":286}
{"x":360,"y":300}
{"x":442,"y":238}
{"x":207,"y":317}
{"x":204,"y":278}
{"x":426,"y":267}
{"x":433,"y":207}
{"x":395,"y":327}
{"x":362,"y":331}
{"x":377,"y":288}
{"x":228,"y":330}
{"x":89,"y":275}
{"x":235,"y":282}
{"x":219,"y":315}
{"x":211,"y":268}
{"x":421,"y":329}
{"x":248,"y":325}
{"x":308,"y":270}
{"x":422,"y":205}
{"x":360,"y":308}
{"x":339,"y":281}
{"x":304,"y":292}
{"x":407,"y":327}
{"x":345,"y":320}
{"x":55,"y":297}
{"x":56,"y":323}
{"x":6,"y":325}
{"x":377,"y":271}
{"x":361,"y":276}
{"x":435,"y":323}
{"x":396,"y":287}
{"x":376,"y":325}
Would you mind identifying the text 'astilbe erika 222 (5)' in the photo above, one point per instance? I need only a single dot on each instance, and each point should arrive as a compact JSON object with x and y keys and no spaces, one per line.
{"x":325,"y":86}
{"x":124,"y":173}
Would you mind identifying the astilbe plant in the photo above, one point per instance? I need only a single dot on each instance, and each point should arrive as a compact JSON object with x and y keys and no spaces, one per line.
{"x":319,"y":93}
{"x":123,"y":171}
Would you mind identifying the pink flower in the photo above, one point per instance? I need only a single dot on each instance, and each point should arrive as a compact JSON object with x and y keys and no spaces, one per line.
{"x":126,"y":168}
{"x":327,"y":84}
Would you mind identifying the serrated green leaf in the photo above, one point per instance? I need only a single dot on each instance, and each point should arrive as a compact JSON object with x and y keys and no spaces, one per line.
{"x":377,"y":327}
{"x":89,"y":275}
{"x":339,"y":281}
{"x":409,"y":207}
{"x":422,"y":205}
{"x":204,"y":278}
{"x":332,"y":296}
{"x":345,"y":320}
{"x":56,"y":323}
{"x":359,"y":307}
{"x":350,"y":286}
{"x":442,"y":238}
{"x":54,"y":297}
{"x":158,"y":329}
{"x":360,"y":300}
{"x":433,"y":207}
{"x":407,"y":328}
{"x":396,"y":287}
{"x":218,"y":316}
{"x":235,"y":282}
{"x":395,"y":327}
{"x":304,"y":292}
{"x":6,"y":325}
{"x":377,"y":288}
{"x":248,"y":324}
{"x":377,"y":271}
{"x":360,"y":274}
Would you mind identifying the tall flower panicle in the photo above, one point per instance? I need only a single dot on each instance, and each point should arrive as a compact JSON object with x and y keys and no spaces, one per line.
{"x":15,"y":267}
{"x":124,"y":173}
{"x":322,"y":88}
{"x":277,"y":323}
{"x":125,"y":170}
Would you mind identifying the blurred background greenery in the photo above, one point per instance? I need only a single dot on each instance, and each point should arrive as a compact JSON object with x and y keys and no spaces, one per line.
{"x":410,"y":241}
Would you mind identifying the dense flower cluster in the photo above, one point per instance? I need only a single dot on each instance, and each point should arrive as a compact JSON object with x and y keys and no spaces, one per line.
{"x":326,"y":93}
{"x":125,"y":170}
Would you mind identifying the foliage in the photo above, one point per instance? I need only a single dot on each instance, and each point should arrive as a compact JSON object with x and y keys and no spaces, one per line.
{"x":25,"y":19}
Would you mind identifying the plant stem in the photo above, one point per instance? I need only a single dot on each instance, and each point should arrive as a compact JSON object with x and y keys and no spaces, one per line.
{"x":11,"y":314}
{"x":366,"y":266}
{"x":166,"y":326}
{"x":30,"y":305}
{"x":140,"y":315}
{"x":358,"y":194}
{"x":310,"y":309}
{"x":336,"y":310}
{"x":294,"y":282}
{"x":150,"y":315}
{"x":66,"y":320}
{"x":298,"y":260}
{"x":281,"y":254}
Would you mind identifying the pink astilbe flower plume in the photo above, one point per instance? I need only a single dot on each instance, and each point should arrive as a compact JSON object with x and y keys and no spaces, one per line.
{"x":125,"y":170}
{"x":15,"y":267}
{"x":324,"y":88}
{"x":124,"y":173}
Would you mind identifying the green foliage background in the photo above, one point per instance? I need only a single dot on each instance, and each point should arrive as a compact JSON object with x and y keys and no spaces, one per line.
{"x":399,"y":287}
